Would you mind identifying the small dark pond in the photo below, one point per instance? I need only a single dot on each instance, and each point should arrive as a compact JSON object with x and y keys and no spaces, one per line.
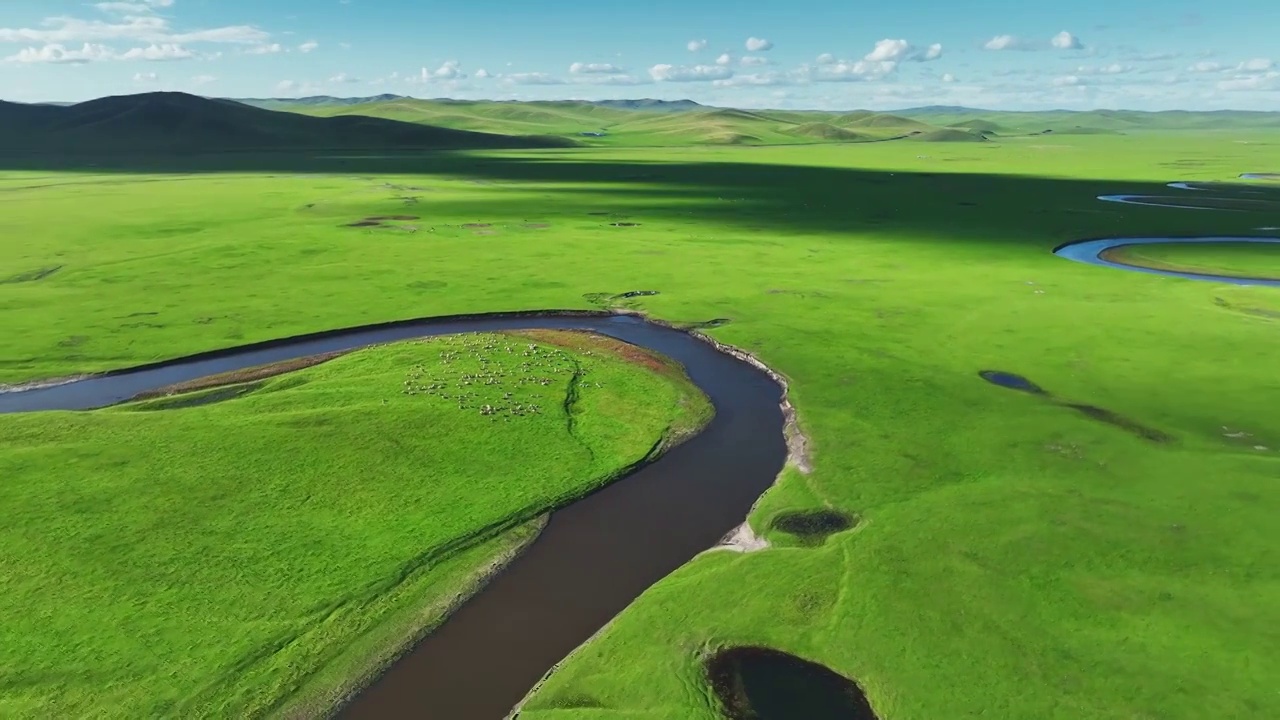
{"x":812,"y":526}
{"x":754,"y":683}
{"x":1011,"y":381}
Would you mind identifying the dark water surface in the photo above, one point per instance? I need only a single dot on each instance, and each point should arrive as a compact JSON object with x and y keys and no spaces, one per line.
{"x":594,"y":557}
{"x":756,"y":683}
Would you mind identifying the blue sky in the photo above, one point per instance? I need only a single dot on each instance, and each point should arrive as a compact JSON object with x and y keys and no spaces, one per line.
{"x":826,"y":54}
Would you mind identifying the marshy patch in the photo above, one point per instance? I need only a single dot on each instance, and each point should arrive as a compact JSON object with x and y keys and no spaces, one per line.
{"x":31,"y":275}
{"x":473,"y":226}
{"x":378,"y":220}
{"x":625,"y":224}
{"x":427,"y":285}
{"x":1012,"y":381}
{"x":756,"y":683}
{"x":813,"y":526}
{"x":197,"y":399}
{"x":536,"y":225}
{"x":707,"y":324}
{"x":607,"y":300}
{"x":1122,"y":422}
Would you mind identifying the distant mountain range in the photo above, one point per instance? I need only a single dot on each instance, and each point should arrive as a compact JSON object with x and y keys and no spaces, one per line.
{"x":177,"y":122}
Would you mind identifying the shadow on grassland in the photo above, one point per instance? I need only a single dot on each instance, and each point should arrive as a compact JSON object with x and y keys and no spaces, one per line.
{"x":1038,"y":212}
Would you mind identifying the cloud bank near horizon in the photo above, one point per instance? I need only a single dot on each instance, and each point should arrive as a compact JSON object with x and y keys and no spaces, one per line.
{"x":110,"y":47}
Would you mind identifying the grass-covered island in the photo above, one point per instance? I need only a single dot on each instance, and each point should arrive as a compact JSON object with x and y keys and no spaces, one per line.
{"x":1253,"y":260}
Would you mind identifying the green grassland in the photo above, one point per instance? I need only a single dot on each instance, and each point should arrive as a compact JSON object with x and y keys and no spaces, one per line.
{"x":1013,"y":558}
{"x":1243,"y":260}
{"x":265,"y":551}
{"x":725,"y":126}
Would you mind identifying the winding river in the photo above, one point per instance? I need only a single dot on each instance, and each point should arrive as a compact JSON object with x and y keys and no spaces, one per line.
{"x":594,"y":557}
{"x":1093,"y":251}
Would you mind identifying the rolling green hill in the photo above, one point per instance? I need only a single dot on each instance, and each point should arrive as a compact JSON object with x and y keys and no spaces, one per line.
{"x":683,"y":122}
{"x":178,"y":122}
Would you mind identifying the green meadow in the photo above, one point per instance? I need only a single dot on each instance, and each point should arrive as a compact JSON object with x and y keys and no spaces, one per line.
{"x":263,"y":547}
{"x":1012,"y":558}
{"x":1243,"y":260}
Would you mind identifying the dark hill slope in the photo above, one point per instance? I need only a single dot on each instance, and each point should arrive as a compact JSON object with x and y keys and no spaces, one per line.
{"x":178,"y":122}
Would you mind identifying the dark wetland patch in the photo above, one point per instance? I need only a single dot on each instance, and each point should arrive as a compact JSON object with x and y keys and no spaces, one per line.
{"x":625,"y":224}
{"x":537,"y":225}
{"x":1011,"y":381}
{"x":197,"y":399}
{"x":377,"y":220}
{"x":812,"y":526}
{"x":755,"y":683}
{"x":476,"y":225}
{"x":707,"y":324}
{"x":1122,"y":422}
{"x":31,"y":275}
{"x":636,"y":293}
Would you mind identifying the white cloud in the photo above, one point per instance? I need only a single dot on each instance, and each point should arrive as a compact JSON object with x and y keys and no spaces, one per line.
{"x":203,"y":79}
{"x":724,"y":59}
{"x":344,"y":78}
{"x":890,"y":50}
{"x":753,"y":60}
{"x":145,"y":77}
{"x":696,"y":45}
{"x":532,"y":78}
{"x":595,"y":69}
{"x":1003,"y":42}
{"x":294,"y":88}
{"x":159,"y":53}
{"x":56,"y":53}
{"x":948,"y":78}
{"x":483,"y":74}
{"x":133,"y":8}
{"x":137,"y":28}
{"x":845,"y":71}
{"x":264,"y":49}
{"x":1112,"y":69}
{"x":755,"y":44}
{"x":450,"y":70}
{"x":1067,"y":81}
{"x":689,"y":73}
{"x":826,"y":59}
{"x":308,"y":46}
{"x":1066,"y":41}
{"x":622,"y":80}
{"x":1256,"y":65}
{"x":1263,"y":81}
{"x":757,"y":79}
{"x":1205,"y":66}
